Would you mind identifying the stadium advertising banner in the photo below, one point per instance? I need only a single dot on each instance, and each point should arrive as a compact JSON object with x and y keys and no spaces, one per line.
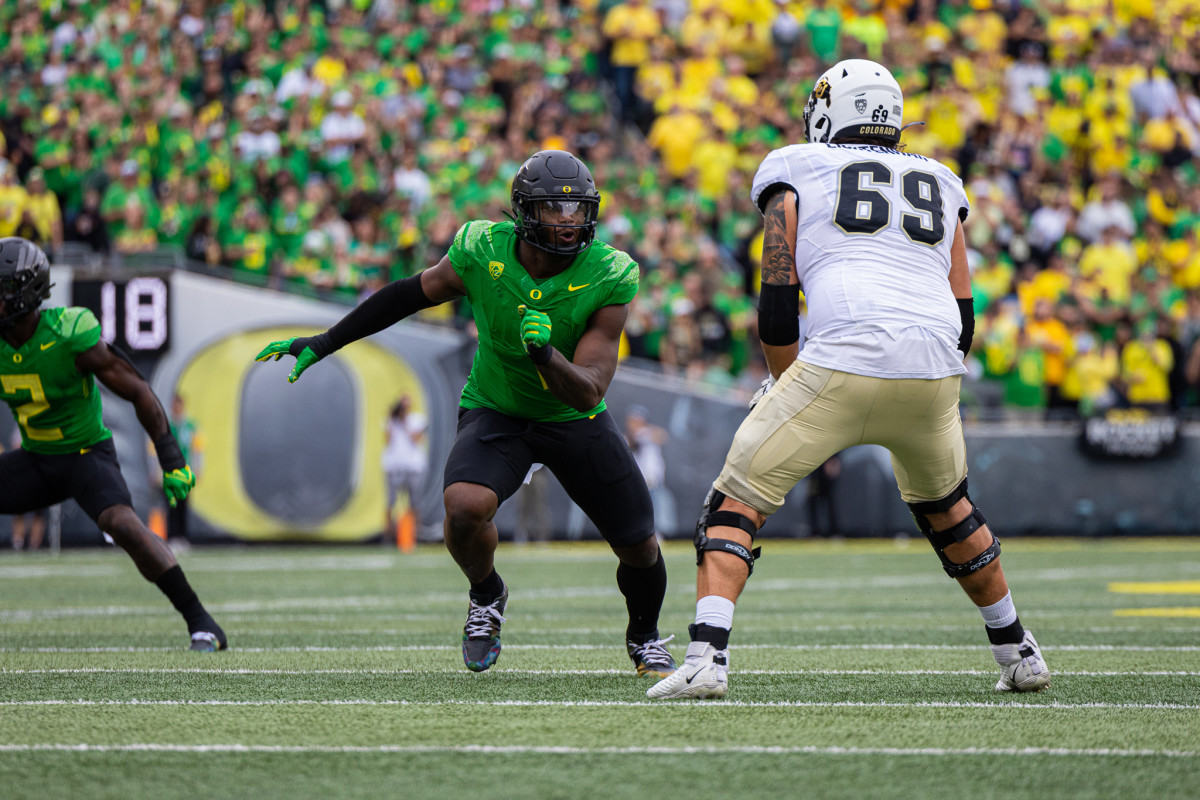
{"x":1130,"y":433}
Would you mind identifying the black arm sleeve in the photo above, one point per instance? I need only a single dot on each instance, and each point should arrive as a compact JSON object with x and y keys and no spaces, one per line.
{"x":170,"y":457}
{"x":779,"y":314}
{"x":386,"y":307}
{"x":966,"y":312}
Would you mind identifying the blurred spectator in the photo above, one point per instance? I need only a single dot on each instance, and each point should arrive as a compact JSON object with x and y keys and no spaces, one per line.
{"x":88,"y":225}
{"x":822,"y":512}
{"x":248,"y":247}
{"x":191,"y":444}
{"x":1107,"y":210}
{"x":1047,"y":332}
{"x":115,"y":205}
{"x":257,"y":141}
{"x":135,"y":235}
{"x":1025,"y":79}
{"x":404,"y":461}
{"x":646,"y":441}
{"x":202,"y":242}
{"x":824,"y":25}
{"x":533,"y":509}
{"x":411,"y":181}
{"x":1146,"y":364}
{"x":630,"y":25}
{"x":341,"y":128}
{"x":43,"y":218}
{"x":13,"y":199}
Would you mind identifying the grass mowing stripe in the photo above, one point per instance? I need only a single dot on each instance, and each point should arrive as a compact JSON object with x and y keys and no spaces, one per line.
{"x":855,"y":584}
{"x":1052,"y":706}
{"x":551,"y":672}
{"x":560,"y":750}
{"x":441,"y":648}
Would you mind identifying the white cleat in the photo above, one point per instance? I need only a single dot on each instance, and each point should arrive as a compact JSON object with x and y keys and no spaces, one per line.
{"x":703,"y":675}
{"x":1022,"y":667}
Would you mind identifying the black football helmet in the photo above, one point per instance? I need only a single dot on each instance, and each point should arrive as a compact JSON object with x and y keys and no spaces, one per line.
{"x":553,"y":185}
{"x":24,"y":279}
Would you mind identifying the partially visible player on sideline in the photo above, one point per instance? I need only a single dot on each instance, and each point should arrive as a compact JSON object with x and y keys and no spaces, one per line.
{"x":49,"y":362}
{"x":549,"y":304}
{"x":873,"y":236}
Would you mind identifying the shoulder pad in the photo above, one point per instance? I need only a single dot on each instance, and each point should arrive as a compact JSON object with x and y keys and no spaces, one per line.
{"x":778,"y":168}
{"x":78,"y":327}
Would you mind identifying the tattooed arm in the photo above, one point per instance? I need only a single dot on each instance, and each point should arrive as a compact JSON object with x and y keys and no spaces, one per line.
{"x":780,"y":285}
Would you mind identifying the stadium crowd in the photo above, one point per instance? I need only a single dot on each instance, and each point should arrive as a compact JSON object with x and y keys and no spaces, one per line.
{"x":330,"y":147}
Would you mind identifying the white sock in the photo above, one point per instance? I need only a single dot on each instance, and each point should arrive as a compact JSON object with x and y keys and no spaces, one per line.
{"x":1000,"y":614}
{"x":716,"y":611}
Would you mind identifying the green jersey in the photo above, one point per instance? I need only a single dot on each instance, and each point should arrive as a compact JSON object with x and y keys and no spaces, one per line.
{"x":502,"y":377}
{"x":57,"y":407}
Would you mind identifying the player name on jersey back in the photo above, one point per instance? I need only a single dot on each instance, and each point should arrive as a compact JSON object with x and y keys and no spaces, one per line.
{"x":874,"y":232}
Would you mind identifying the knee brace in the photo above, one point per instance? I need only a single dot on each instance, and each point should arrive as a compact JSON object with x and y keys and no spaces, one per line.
{"x":940,"y":540}
{"x":711,"y":516}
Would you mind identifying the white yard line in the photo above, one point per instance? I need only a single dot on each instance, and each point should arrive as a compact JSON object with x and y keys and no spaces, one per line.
{"x":237,"y":749}
{"x":1053,"y":706}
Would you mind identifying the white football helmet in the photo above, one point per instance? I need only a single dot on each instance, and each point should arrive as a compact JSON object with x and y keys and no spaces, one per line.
{"x":855,"y":97}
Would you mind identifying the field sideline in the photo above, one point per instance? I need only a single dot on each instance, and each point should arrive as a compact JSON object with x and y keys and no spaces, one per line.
{"x":858,"y":671}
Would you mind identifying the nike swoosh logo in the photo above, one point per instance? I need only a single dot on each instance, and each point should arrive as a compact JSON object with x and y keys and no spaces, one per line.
{"x":48,"y":345}
{"x":572,"y":288}
{"x":688,"y":680}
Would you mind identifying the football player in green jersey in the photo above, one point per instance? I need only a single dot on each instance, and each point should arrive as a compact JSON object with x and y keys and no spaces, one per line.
{"x":549,"y":303}
{"x":49,"y":362}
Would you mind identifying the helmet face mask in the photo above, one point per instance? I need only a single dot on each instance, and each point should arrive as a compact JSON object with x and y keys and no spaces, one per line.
{"x":24,"y":279}
{"x":555,"y":203}
{"x":854,"y":98}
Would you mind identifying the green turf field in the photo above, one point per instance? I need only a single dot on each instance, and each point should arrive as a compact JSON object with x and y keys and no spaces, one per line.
{"x":858,"y":670}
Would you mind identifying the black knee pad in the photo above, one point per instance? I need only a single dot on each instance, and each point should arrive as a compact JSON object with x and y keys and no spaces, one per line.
{"x":959,"y":533}
{"x":919,"y":510}
{"x":710,"y":516}
{"x":975,"y":564}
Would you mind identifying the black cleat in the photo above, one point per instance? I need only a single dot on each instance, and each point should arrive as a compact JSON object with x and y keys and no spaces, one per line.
{"x":209,"y":641}
{"x":481,"y":634}
{"x":651,"y":657}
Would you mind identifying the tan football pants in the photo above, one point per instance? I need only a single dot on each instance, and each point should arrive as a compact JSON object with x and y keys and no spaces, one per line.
{"x":812,"y":413}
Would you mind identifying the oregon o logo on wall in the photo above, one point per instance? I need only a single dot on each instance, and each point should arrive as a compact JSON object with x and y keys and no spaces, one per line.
{"x":294,"y":460}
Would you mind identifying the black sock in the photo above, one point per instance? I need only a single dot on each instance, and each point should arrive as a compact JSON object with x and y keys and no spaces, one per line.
{"x":644,"y":589}
{"x":717,"y":637}
{"x":488,"y":590}
{"x":175,"y":586}
{"x":1009,"y":634}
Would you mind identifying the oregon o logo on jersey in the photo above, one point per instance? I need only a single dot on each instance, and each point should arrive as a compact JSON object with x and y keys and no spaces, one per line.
{"x":535,"y":294}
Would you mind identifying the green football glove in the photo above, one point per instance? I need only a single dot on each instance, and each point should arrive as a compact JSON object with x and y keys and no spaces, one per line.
{"x":177,"y":483}
{"x":305,"y":357}
{"x":535,"y":328}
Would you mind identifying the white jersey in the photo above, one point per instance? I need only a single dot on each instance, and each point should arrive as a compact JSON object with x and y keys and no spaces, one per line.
{"x":873,"y":256}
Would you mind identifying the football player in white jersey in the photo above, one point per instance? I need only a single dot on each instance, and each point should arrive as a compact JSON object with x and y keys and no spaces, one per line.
{"x":873,"y":237}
